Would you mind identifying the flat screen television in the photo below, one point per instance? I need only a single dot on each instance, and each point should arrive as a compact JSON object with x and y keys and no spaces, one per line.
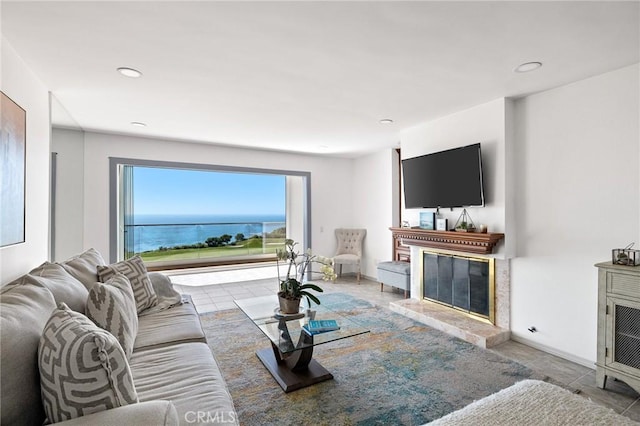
{"x":451,"y":178}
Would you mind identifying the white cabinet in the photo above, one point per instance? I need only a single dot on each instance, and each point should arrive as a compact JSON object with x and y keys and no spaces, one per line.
{"x":618,"y":324}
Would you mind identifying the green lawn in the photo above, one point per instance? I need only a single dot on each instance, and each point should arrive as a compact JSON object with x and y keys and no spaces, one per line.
{"x":247,"y":248}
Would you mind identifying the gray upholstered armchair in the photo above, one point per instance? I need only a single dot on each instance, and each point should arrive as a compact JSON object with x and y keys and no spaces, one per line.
{"x":349,"y":250}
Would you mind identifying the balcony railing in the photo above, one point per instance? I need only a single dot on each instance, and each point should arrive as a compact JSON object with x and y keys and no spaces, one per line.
{"x":200,"y":241}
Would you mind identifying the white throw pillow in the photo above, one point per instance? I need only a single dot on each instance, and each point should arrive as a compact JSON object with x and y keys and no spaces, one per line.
{"x":136,"y":272}
{"x":83,"y":368}
{"x":111,"y":306}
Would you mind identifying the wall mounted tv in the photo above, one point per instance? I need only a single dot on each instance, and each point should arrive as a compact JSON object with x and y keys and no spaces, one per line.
{"x":451,"y":178}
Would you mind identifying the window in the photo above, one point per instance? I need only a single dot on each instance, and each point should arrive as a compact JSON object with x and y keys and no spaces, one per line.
{"x":177,"y":215}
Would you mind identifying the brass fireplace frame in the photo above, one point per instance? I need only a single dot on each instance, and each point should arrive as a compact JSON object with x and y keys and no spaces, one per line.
{"x":491,"y":318}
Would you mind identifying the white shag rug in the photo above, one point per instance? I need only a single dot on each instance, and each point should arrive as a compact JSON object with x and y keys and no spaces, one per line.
{"x":532,"y":402}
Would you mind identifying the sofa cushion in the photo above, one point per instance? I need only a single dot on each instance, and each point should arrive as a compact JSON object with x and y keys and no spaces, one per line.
{"x":24,"y":310}
{"x":83,"y":368}
{"x":136,"y":272}
{"x":64,"y":287}
{"x":151,"y":413}
{"x":187,"y":375}
{"x":84,"y":267}
{"x":111,"y":306}
{"x":180,"y":323}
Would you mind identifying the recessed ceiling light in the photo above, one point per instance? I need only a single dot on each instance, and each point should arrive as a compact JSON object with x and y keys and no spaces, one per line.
{"x":129,"y":72}
{"x":386,"y":121}
{"x":527,"y":66}
{"x":138,"y":124}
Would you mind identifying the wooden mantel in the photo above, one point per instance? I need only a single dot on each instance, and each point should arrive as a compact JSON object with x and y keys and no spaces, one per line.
{"x":468,"y":242}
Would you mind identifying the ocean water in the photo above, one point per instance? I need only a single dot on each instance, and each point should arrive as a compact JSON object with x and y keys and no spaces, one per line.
{"x":154,"y":231}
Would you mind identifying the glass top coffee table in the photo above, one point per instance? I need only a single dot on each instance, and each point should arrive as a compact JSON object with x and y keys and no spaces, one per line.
{"x":289,"y":360}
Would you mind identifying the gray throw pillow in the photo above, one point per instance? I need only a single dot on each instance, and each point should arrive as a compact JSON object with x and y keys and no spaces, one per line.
{"x":83,"y":267}
{"x":136,"y":272}
{"x":111,"y":306}
{"x":83,"y":368}
{"x":64,"y":287}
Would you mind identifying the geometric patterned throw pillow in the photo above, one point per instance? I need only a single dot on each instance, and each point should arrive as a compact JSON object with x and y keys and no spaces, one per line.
{"x":136,"y":272}
{"x":111,"y":306}
{"x":83,"y":369}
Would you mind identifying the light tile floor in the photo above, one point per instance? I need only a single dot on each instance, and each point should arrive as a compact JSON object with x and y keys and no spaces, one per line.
{"x":216,"y":289}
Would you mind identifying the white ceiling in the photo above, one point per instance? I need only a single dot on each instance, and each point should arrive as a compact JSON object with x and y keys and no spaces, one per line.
{"x":306,"y":76}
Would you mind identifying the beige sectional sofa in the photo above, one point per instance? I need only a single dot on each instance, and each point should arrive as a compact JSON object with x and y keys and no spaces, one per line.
{"x":175,"y":375}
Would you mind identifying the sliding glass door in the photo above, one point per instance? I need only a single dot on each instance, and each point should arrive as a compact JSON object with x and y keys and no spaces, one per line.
{"x":176,"y":215}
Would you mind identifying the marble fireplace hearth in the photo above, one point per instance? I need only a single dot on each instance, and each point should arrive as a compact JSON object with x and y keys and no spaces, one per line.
{"x":455,"y":322}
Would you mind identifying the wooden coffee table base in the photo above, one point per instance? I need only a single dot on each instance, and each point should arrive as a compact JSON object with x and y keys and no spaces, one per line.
{"x":296,"y":371}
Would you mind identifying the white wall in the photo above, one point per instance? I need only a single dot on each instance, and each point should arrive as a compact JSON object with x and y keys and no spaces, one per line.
{"x":330,"y":180}
{"x":577,"y":171}
{"x":561,"y":178}
{"x":374,"y":206}
{"x":345,"y":193}
{"x":486,"y":124}
{"x":69,"y":209}
{"x":20,"y":84}
{"x":295,"y":189}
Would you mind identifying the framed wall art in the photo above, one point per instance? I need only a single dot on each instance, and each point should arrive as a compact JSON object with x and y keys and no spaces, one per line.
{"x":13,"y":141}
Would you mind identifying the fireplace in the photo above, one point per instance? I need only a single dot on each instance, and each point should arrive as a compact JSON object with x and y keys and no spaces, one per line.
{"x":460,"y":282}
{"x":462,"y":254}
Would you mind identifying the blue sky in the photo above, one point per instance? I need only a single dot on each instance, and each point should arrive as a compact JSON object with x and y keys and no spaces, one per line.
{"x":174,"y":191}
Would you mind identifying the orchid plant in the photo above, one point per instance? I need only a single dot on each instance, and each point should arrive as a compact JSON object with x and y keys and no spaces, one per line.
{"x":291,"y":287}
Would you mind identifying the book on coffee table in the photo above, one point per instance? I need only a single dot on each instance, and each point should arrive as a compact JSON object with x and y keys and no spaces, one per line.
{"x":321,"y":326}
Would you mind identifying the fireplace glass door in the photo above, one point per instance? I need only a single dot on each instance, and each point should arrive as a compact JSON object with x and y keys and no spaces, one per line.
{"x":460,"y":282}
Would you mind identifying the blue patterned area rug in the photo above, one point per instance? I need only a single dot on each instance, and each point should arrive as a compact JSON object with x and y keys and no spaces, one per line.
{"x":403,"y":372}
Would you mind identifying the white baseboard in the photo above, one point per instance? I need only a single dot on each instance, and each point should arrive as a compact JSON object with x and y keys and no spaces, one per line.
{"x":564,"y":355}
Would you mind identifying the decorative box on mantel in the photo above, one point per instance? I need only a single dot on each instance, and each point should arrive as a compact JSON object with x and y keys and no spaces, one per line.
{"x":468,"y":242}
